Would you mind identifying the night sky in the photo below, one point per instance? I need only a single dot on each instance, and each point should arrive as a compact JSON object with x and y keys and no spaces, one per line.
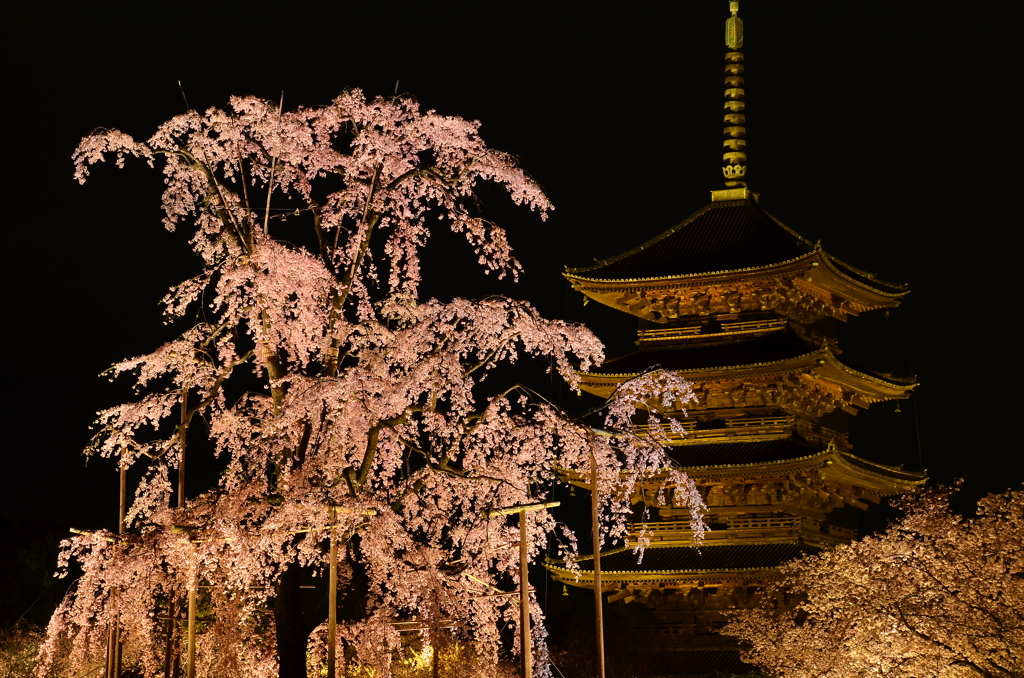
{"x":885,"y":129}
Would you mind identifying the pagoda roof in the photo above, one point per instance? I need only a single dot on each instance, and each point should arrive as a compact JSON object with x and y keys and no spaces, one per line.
{"x":758,"y":453}
{"x":791,"y":454}
{"x":725,"y":236}
{"x":876,"y":469}
{"x":678,"y":561}
{"x":764,"y":356}
{"x":767,"y":348}
{"x":784,"y":457}
{"x":721,"y":237}
{"x":703,"y":558}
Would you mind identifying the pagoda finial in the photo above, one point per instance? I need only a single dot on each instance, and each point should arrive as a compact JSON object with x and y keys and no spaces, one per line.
{"x":734,"y":158}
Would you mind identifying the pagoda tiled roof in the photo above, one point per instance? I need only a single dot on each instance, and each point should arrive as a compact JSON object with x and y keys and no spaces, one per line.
{"x":768,"y":348}
{"x":716,"y":457}
{"x":697,"y":559}
{"x":866,"y":278}
{"x":875,"y":468}
{"x":721,"y":237}
{"x":780,"y":352}
{"x":743,"y":453}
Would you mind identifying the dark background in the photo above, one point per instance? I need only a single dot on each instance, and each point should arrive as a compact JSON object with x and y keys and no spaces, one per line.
{"x":885,"y":129}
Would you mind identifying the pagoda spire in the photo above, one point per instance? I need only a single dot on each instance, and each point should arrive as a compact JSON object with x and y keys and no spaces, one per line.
{"x":734,"y":157}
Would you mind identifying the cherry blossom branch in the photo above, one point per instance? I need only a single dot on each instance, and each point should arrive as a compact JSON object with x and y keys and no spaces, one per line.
{"x":963,"y":661}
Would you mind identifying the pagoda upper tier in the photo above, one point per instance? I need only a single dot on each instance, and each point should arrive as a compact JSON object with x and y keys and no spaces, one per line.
{"x":732,"y":257}
{"x":776,"y":367}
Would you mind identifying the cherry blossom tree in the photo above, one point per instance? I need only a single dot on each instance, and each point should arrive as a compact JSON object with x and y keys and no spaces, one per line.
{"x":936,"y":595}
{"x":342,"y":406}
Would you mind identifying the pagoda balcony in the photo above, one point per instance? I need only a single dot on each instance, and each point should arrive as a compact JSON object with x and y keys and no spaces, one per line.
{"x":673,"y":334}
{"x":745,"y":529}
{"x":759,"y":428}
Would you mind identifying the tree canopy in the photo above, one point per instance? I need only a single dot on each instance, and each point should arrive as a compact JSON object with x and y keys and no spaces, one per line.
{"x":341,"y":404}
{"x":935,"y":595}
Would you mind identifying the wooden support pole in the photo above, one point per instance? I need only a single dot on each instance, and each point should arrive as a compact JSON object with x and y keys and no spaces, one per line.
{"x":598,"y":605}
{"x":117,"y":647}
{"x":171,"y":663}
{"x":332,"y":589}
{"x":524,"y":599}
{"x":191,"y":670}
{"x":181,"y":462}
{"x":123,"y":500}
{"x":169,"y":644}
{"x":332,"y":603}
{"x":108,"y":670}
{"x":435,"y":656}
{"x":526,"y":642}
{"x":113,"y":654}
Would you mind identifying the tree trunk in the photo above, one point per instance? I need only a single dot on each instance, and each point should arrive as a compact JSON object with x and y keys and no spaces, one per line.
{"x":291,"y":629}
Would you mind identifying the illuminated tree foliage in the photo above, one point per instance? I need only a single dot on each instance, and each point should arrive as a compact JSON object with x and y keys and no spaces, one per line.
{"x":322,"y":378}
{"x":936,"y":595}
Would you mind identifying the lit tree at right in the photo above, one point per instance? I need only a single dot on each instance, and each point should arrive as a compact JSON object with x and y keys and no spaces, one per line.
{"x":936,"y":595}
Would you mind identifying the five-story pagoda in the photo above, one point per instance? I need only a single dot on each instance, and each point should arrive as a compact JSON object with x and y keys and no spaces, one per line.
{"x":745,"y":309}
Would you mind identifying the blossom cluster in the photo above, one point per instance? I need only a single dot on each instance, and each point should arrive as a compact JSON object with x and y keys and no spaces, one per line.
{"x":935,"y":595}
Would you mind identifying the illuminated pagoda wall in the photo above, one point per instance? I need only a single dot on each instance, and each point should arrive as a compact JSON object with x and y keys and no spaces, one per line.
{"x":745,"y":309}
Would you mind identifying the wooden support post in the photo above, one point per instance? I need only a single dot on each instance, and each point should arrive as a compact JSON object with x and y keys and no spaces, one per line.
{"x":332,"y":590}
{"x":435,"y":656}
{"x":171,"y":663}
{"x":332,"y":602}
{"x":596,"y":526}
{"x":191,"y":670}
{"x":169,"y":645}
{"x":123,"y":500}
{"x":526,"y":641}
{"x":117,"y":647}
{"x":181,"y":462}
{"x":524,"y":600}
{"x":113,"y":654}
{"x":108,"y":670}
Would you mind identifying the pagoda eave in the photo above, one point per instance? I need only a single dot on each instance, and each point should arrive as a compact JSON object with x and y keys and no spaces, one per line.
{"x":612,"y":580}
{"x":831,"y":464}
{"x":884,"y":480}
{"x":761,"y":469}
{"x":764,"y":272}
{"x":743,"y":562}
{"x":816,"y":287}
{"x":818,"y":370}
{"x":718,"y":472}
